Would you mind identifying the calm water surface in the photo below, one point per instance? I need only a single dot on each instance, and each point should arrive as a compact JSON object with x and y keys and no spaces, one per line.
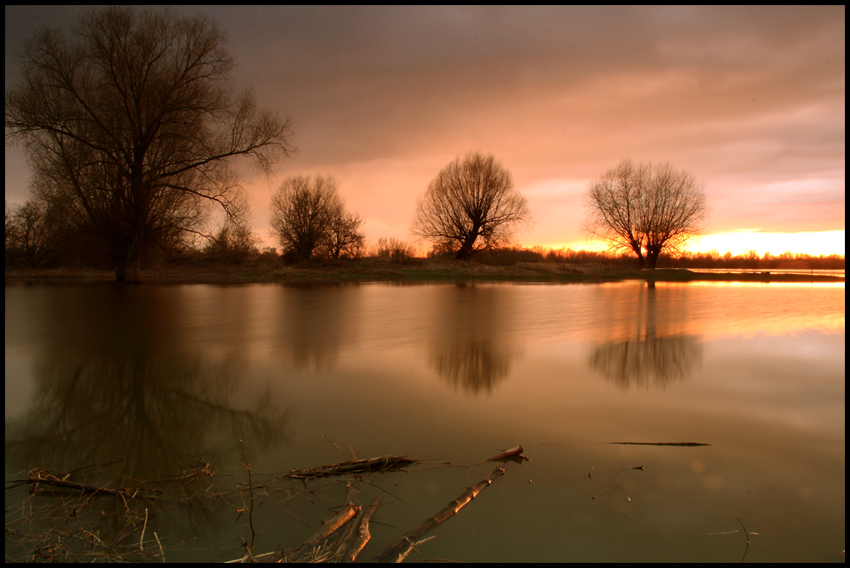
{"x":449,"y":373}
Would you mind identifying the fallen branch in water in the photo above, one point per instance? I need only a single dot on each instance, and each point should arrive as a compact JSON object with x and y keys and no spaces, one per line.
{"x":39,"y":477}
{"x":506,"y":454}
{"x":362,"y":536}
{"x":662,"y":443}
{"x":399,"y":550}
{"x":369,"y":465}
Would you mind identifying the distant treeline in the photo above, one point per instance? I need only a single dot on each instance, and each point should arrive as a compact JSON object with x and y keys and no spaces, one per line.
{"x":710,"y":259}
{"x":34,"y":240}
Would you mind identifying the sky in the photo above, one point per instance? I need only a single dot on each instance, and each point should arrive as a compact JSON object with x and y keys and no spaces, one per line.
{"x":750,"y":100}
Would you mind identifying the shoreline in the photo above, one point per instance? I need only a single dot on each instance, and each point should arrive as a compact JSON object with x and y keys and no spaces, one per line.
{"x":413,"y":271}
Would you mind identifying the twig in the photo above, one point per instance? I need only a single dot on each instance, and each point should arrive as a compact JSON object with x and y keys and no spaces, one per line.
{"x":144,"y":526}
{"x":747,"y":536}
{"x":161,"y":552}
{"x":334,"y":445}
{"x":413,"y":545}
{"x":247,"y":466}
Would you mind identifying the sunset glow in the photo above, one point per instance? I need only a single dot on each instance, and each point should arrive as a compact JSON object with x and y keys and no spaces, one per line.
{"x":814,"y":243}
{"x":739,"y":242}
{"x":750,"y":100}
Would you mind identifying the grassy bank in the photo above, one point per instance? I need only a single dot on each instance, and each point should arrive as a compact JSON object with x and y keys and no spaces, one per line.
{"x":383,"y":270}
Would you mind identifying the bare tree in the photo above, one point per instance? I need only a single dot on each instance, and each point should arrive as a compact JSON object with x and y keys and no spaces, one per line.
{"x":471,"y":205}
{"x":131,"y":127}
{"x":394,"y":249}
{"x":33,"y":232}
{"x":344,"y":237}
{"x":646,"y":209}
{"x":309,"y":219}
{"x":234,"y":241}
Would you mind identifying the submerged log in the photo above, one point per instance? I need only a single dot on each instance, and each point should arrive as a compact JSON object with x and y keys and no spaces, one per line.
{"x":399,"y":550}
{"x":662,"y":443}
{"x":369,"y":465}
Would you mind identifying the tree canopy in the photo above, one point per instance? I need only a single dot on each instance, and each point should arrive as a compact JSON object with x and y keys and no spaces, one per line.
{"x":471,"y":205}
{"x":131,"y":127}
{"x":646,"y":209}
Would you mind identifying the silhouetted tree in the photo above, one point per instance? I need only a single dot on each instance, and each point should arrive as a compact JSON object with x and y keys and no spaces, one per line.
{"x":394,"y":249}
{"x":34,"y":231}
{"x":131,"y":126}
{"x":309,"y":219}
{"x":471,"y":205}
{"x":645,"y":209}
{"x":233,"y":242}
{"x":344,"y":236}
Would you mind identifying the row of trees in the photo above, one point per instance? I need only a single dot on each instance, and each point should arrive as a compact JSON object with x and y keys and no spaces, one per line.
{"x":132,"y":129}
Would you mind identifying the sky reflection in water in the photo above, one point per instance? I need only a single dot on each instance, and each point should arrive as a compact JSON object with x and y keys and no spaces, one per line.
{"x":166,"y":374}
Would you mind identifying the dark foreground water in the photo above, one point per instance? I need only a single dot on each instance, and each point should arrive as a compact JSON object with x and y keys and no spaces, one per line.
{"x":165,"y":376}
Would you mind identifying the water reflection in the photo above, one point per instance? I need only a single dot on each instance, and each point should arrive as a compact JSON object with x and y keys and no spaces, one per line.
{"x":158,"y":412}
{"x":313,"y":322}
{"x":471,"y":350}
{"x":653,"y":354}
{"x":114,"y":376}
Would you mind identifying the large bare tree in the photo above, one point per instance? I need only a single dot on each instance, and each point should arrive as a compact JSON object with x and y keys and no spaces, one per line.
{"x":132,"y":127}
{"x":471,"y":205}
{"x":309,"y":219}
{"x":646,"y":209}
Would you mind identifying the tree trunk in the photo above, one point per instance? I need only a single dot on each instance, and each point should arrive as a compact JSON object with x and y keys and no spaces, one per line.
{"x":119,"y":263}
{"x":127,"y":263}
{"x":652,"y":258}
{"x":134,"y":270}
{"x":466,"y":248}
{"x":637,"y":248}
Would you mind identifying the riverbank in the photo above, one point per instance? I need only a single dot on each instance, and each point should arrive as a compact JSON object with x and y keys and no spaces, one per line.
{"x":414,"y":270}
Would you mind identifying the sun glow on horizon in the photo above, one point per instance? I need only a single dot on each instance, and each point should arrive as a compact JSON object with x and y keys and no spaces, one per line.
{"x":814,"y":243}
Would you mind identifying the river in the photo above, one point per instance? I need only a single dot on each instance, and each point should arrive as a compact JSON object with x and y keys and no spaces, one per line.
{"x":167,"y":377}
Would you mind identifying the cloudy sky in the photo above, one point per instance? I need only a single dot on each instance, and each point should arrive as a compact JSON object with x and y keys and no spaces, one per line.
{"x":748,"y":99}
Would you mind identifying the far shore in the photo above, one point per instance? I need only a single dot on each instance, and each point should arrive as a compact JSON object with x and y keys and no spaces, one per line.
{"x":413,"y":270}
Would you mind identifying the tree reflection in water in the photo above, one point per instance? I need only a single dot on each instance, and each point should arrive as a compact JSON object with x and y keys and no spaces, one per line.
{"x":471,"y":350}
{"x":473,"y":366}
{"x":159,"y":413}
{"x":653,"y":355}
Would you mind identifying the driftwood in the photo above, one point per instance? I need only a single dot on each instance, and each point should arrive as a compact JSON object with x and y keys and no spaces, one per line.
{"x":399,"y":550}
{"x":662,"y":443}
{"x":369,"y":465}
